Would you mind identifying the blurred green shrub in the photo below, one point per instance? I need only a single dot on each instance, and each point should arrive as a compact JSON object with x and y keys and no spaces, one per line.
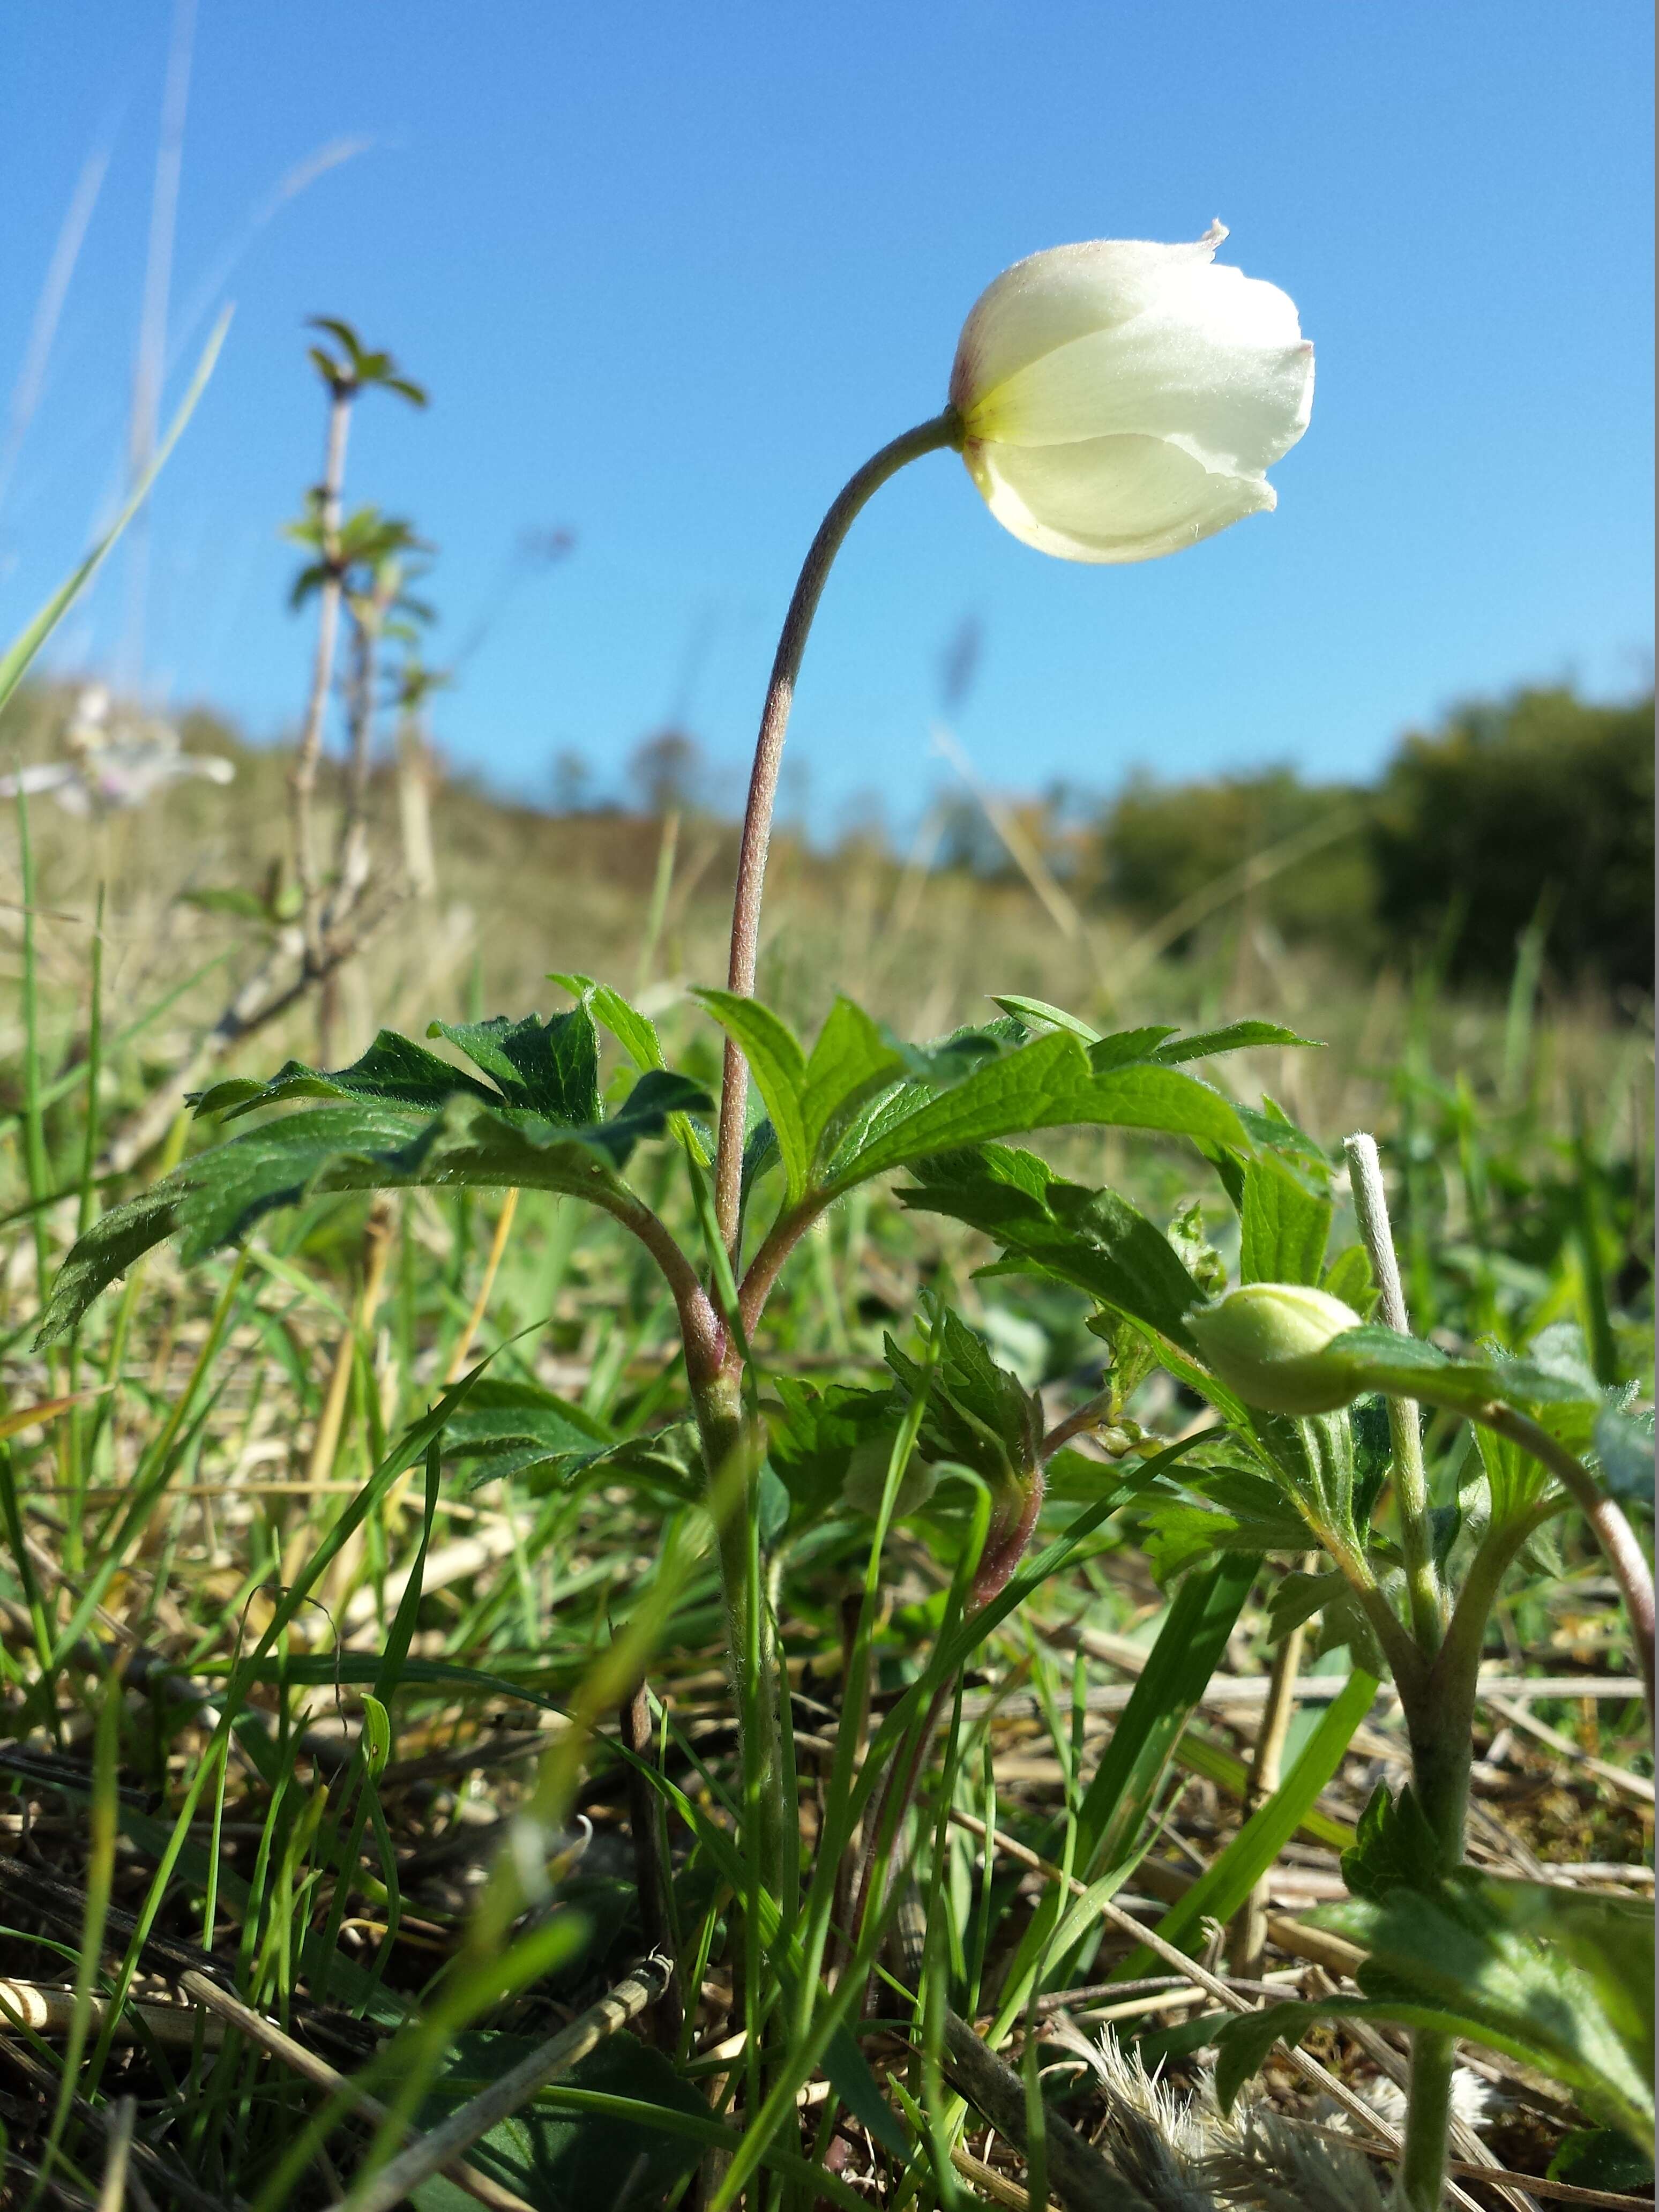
{"x":1163,"y":845}
{"x":1540,"y":797}
{"x":1539,"y":803}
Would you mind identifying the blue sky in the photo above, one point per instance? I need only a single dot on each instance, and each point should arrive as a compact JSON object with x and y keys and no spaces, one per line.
{"x":671,"y":272}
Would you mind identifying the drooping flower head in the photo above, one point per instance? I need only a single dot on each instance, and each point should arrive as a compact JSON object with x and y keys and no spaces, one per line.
{"x":1119,"y":400}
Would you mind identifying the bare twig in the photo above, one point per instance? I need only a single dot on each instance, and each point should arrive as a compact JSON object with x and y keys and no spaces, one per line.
{"x":260,"y":1001}
{"x":303,"y":778}
{"x":431,"y":2153}
{"x":232,"y":2013}
{"x":46,"y":2009}
{"x":1637,"y":1786}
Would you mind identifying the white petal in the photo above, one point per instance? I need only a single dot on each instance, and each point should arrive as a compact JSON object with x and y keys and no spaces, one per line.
{"x":1053,"y":297}
{"x":1170,"y":372}
{"x":1113,"y":499}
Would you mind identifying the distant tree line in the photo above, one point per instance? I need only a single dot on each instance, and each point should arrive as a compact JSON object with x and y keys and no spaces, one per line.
{"x":1540,"y":806}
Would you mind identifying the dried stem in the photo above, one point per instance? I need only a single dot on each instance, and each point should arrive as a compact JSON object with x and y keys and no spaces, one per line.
{"x":458,"y":1357}
{"x":353,"y":864}
{"x":928,"y":437}
{"x":303,"y":784}
{"x":435,"y":2151}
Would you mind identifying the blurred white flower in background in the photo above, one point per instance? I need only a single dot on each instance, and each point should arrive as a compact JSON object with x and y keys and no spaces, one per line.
{"x":1120,"y":399}
{"x":115,"y":764}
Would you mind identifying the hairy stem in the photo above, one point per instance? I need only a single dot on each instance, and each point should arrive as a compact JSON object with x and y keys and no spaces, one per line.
{"x":700,"y":1329}
{"x":1612,"y":1531}
{"x":943,"y":429}
{"x":1410,"y":1478}
{"x":1440,"y":1721}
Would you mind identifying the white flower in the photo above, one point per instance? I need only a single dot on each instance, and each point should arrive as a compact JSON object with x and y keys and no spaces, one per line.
{"x":1120,"y":399}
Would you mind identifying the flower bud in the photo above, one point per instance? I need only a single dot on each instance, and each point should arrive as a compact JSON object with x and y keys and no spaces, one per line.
{"x":1267,"y":1342}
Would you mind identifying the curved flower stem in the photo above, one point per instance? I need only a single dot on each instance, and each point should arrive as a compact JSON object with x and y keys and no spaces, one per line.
{"x":943,"y":429}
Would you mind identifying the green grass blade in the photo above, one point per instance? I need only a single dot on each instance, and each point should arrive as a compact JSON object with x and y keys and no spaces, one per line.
{"x":23,"y":647}
{"x":1223,"y":1887}
{"x":1165,"y":1696}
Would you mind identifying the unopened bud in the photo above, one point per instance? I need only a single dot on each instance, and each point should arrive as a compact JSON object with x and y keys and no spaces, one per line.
{"x":1267,"y":1341}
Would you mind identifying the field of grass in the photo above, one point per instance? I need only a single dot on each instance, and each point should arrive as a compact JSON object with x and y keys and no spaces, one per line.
{"x":351,"y":1753}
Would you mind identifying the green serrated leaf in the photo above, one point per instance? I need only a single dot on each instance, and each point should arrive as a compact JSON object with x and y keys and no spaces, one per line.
{"x":814,"y":1434}
{"x":1297,"y":1597}
{"x":545,"y":1067}
{"x":977,"y":1413}
{"x":533,"y":1424}
{"x":1562,"y":1395}
{"x":394,"y":1069}
{"x":634,"y":1032}
{"x":1601,"y":2157}
{"x":1124,"y":1048}
{"x":1094,"y":1240}
{"x":1234,"y":1512}
{"x":1349,"y":1278}
{"x":1394,"y":1847}
{"x":1624,"y":1446}
{"x":1562,"y":1982}
{"x":1045,"y":1084}
{"x":851,"y":1059}
{"x":779,"y":1067}
{"x":1038,"y":1014}
{"x":1234,"y":1036}
{"x":1283,"y":1226}
{"x":637,"y":1035}
{"x":219,"y":1195}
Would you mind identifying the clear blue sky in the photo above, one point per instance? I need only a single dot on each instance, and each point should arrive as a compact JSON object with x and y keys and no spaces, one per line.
{"x":671,"y":272}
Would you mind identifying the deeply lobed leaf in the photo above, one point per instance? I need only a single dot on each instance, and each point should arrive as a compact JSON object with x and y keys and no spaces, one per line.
{"x":411,"y":1119}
